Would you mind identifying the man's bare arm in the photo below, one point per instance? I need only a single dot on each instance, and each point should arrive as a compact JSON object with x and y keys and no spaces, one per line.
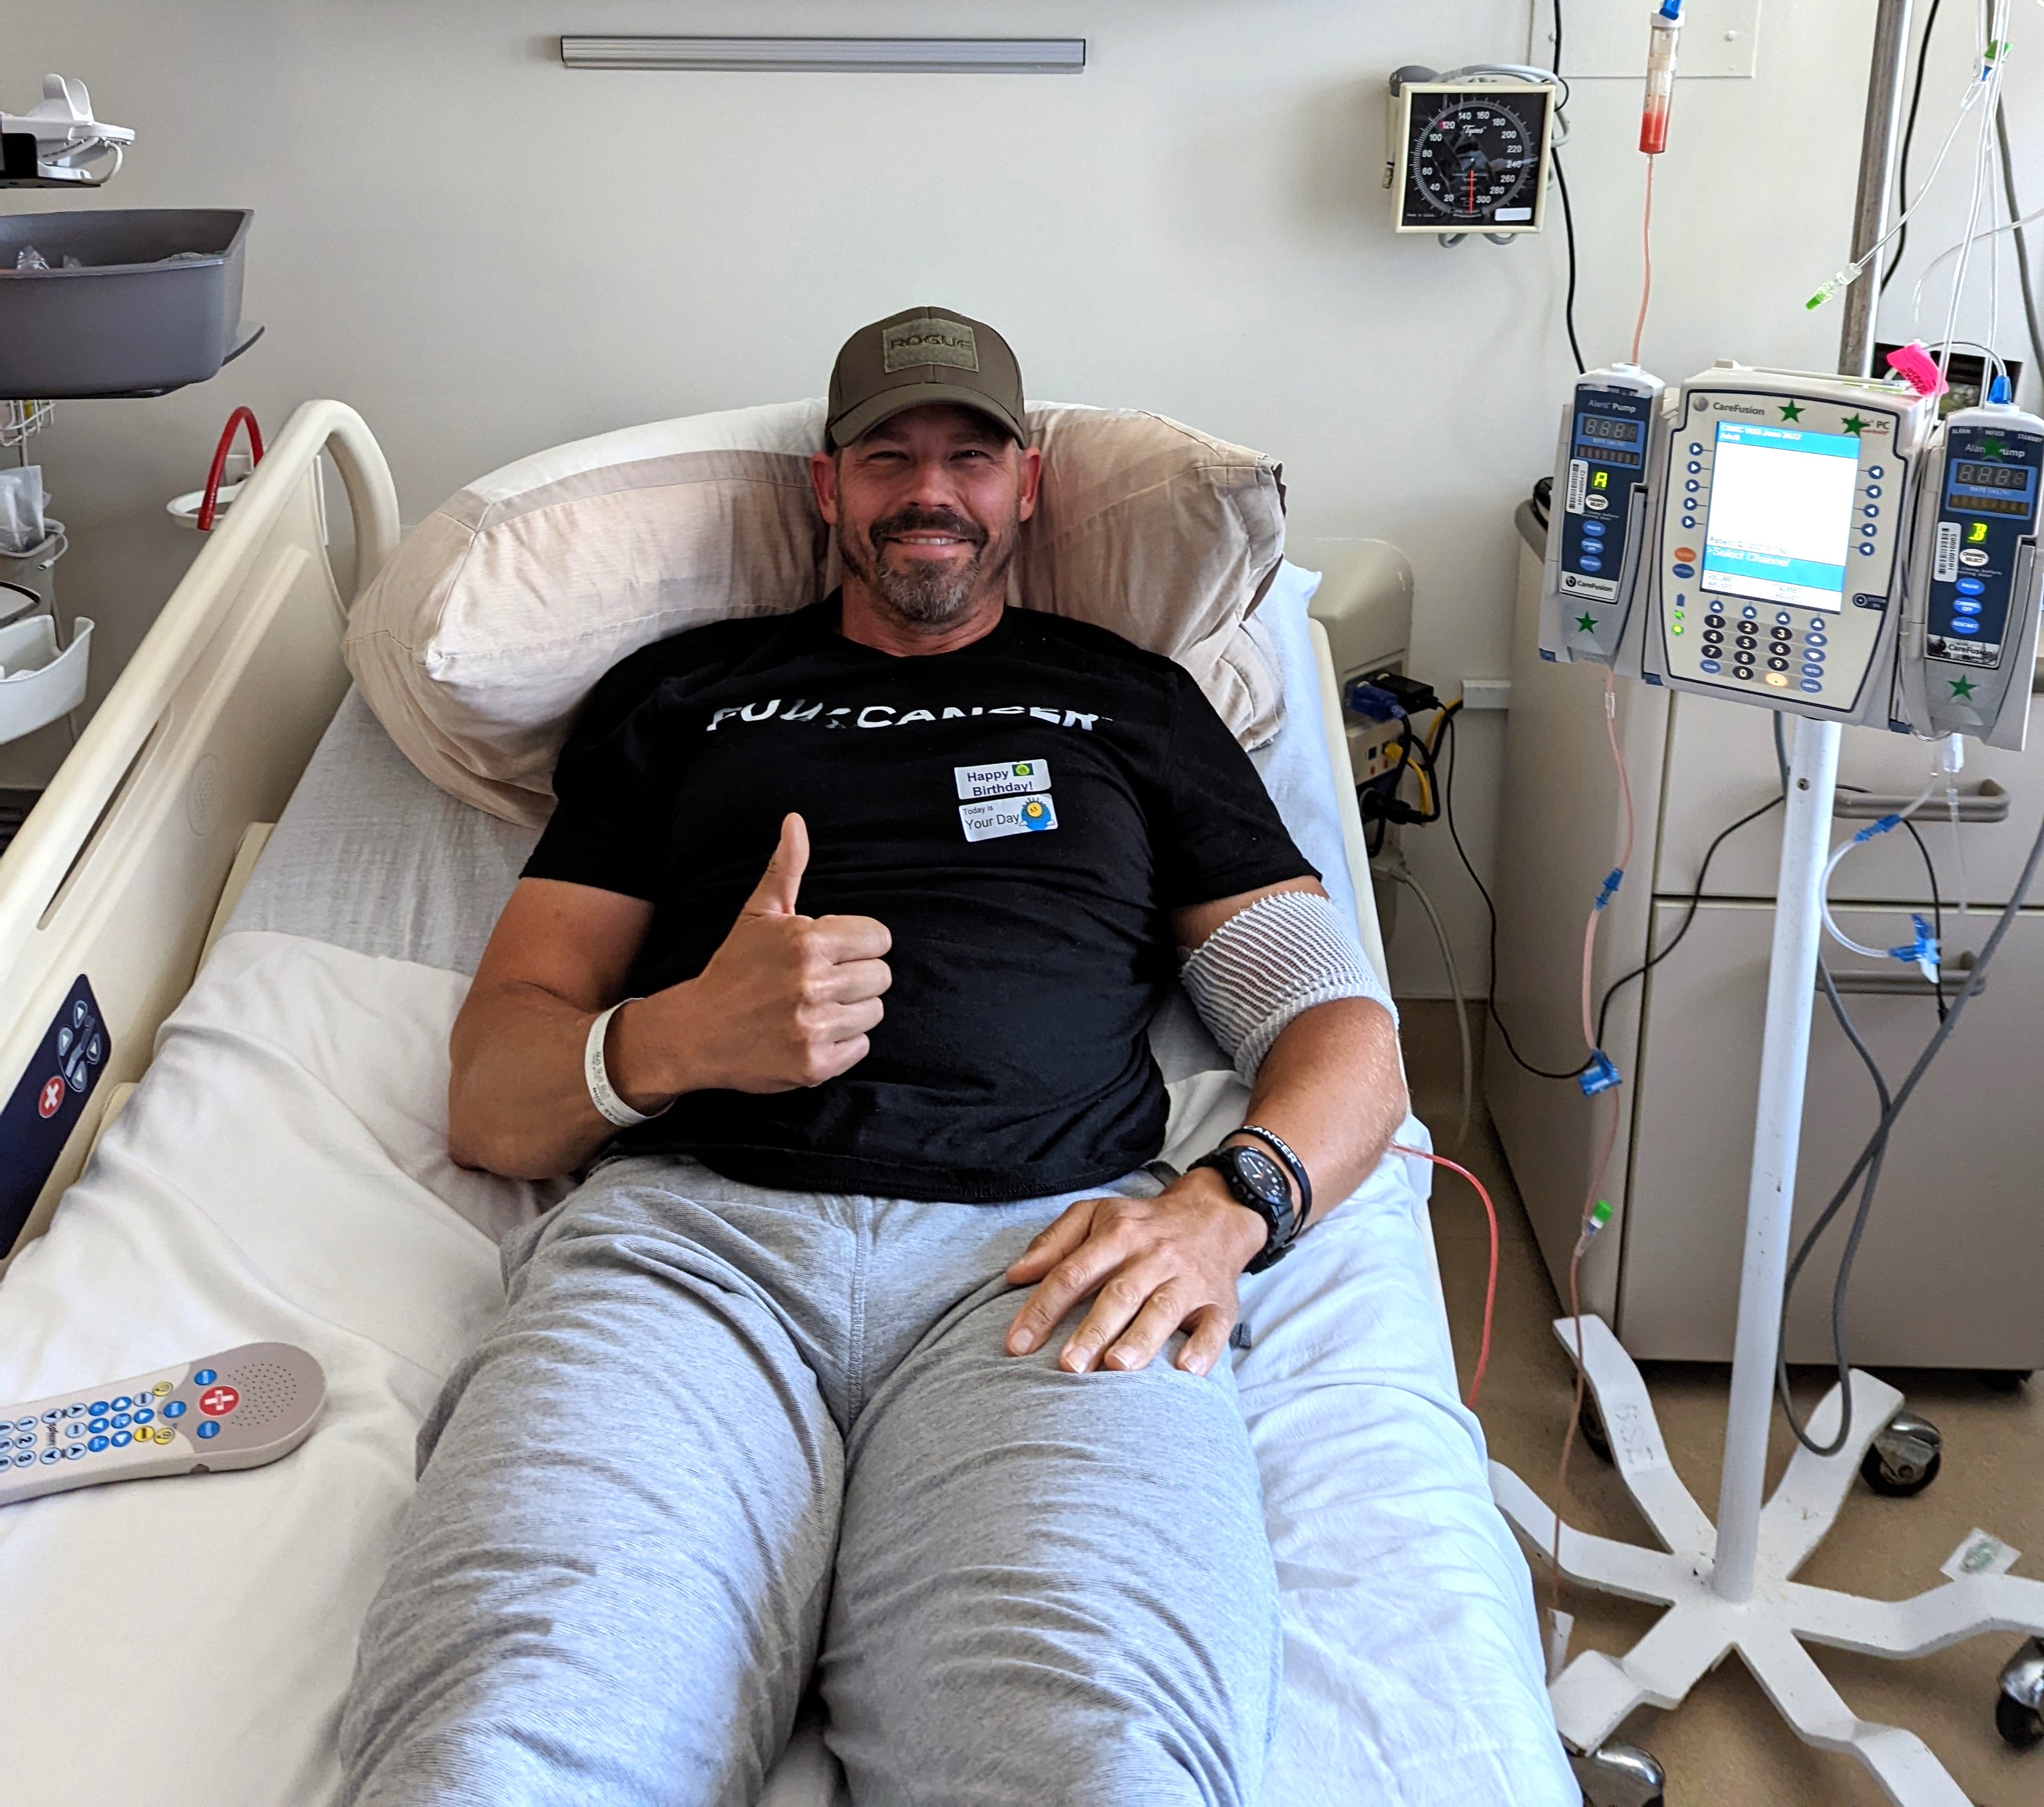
{"x":1331,"y":1085}
{"x":785,"y":1002}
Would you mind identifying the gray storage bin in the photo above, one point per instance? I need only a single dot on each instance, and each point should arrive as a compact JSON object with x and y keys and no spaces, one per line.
{"x":128,"y":322}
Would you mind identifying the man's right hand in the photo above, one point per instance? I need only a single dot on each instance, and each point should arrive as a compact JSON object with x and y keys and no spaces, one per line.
{"x":786,"y":1002}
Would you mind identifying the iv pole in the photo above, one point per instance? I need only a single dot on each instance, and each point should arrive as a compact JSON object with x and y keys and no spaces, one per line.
{"x":1729,"y":1587}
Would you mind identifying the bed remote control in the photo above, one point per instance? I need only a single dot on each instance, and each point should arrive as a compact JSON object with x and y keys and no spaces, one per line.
{"x":237,"y":1410}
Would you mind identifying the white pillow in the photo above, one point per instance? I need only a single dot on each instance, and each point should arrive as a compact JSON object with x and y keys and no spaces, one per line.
{"x":478,"y":642}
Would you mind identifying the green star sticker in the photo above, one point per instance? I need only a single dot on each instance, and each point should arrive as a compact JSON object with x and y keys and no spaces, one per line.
{"x":1991,"y":446}
{"x":1852,"y":423}
{"x":1962,"y":687}
{"x":1586,"y":624}
{"x":1792,"y":410}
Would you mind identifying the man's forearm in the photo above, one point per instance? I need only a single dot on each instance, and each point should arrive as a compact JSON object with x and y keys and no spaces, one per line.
{"x":518,"y":1102}
{"x":1332,"y":1088}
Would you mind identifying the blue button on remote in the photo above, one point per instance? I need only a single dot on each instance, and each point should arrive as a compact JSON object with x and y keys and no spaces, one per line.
{"x":204,"y":1376}
{"x":120,"y":1420}
{"x":1969,"y":587}
{"x":99,"y":1408}
{"x":121,"y":1440}
{"x":122,"y":1403}
{"x":174,"y":1409}
{"x":209,"y":1429}
{"x":143,"y":1416}
{"x":74,"y":1453}
{"x":97,"y":1445}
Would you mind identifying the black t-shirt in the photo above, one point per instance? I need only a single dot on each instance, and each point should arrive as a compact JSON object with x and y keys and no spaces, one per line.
{"x":1023,"y":814}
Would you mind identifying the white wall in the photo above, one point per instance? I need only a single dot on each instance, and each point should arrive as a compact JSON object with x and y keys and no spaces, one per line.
{"x":487,"y":254}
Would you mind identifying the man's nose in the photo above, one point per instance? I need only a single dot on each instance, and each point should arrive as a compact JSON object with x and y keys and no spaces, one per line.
{"x":932,"y":484}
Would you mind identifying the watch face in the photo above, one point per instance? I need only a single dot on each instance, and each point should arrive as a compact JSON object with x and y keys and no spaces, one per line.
{"x":1262,"y":1176}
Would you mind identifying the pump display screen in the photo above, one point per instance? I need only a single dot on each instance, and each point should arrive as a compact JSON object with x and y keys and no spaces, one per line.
{"x":1992,"y":476}
{"x":1782,"y":514}
{"x":1597,"y":426}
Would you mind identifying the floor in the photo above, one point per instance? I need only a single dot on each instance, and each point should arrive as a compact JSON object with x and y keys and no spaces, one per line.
{"x":1726,"y":1747}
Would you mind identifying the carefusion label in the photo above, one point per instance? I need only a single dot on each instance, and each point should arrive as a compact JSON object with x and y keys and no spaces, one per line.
{"x":1007,"y":778}
{"x":1007,"y":816}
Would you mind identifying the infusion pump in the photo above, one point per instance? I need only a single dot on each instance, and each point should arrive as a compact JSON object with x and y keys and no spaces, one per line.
{"x":1772,"y":553}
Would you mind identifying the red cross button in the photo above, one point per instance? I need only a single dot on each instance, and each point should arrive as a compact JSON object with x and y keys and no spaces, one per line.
{"x":51,"y":1096}
{"x":217,"y":1401}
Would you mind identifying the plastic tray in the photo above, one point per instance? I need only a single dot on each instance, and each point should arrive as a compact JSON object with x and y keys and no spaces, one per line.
{"x":41,"y":683}
{"x":129,"y":321}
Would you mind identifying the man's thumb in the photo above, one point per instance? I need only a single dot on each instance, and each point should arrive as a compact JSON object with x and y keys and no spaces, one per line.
{"x":774,"y":894}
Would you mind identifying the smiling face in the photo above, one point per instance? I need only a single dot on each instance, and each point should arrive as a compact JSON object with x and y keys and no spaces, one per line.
{"x":926,"y":508}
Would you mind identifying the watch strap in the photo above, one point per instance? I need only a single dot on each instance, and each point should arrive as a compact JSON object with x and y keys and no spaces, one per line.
{"x":1282,"y":1149}
{"x":1278,"y":1235}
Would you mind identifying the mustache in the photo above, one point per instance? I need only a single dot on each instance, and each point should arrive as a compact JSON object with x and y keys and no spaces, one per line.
{"x":926,"y":521}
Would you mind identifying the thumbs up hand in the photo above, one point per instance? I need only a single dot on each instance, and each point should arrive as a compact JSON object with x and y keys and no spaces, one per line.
{"x":786,"y":1002}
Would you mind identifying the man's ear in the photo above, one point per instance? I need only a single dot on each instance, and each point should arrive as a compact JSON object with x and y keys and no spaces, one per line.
{"x":823,"y":479}
{"x":1031,"y":458}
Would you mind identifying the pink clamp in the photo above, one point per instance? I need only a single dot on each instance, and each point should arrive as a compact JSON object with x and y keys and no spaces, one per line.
{"x":1918,"y":368}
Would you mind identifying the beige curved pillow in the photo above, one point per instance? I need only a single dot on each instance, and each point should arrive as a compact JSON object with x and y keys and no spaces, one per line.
{"x":478,"y":642}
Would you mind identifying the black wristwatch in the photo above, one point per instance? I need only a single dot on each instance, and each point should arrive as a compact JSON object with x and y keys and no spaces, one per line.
{"x":1258,"y":1183}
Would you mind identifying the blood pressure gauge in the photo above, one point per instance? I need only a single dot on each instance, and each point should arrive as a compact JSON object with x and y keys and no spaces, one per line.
{"x":1468,"y":155}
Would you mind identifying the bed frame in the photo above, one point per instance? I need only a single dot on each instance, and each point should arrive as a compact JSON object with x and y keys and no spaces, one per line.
{"x":118,"y":872}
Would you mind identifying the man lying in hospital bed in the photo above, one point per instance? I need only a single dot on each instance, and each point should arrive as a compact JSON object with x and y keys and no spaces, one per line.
{"x":283,"y":1173}
{"x":1026,"y":1544}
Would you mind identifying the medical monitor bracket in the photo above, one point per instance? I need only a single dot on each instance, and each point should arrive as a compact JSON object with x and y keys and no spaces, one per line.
{"x":58,"y":144}
{"x":1600,"y":516}
{"x":1784,"y":509}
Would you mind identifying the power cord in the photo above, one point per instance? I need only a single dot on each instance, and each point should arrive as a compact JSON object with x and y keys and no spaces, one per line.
{"x":1568,"y":219}
{"x":1867,"y":1165}
{"x":1908,"y":138}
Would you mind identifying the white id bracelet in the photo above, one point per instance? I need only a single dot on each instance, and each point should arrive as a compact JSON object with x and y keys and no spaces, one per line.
{"x":613,"y":1108}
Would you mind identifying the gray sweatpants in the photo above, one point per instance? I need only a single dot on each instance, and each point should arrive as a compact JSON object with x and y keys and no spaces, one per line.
{"x":722,"y":1435}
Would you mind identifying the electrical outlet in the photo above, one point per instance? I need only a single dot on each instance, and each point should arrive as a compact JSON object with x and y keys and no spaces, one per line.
{"x":1372,"y":748}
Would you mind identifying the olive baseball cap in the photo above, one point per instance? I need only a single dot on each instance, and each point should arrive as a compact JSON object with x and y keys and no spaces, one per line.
{"x":913,"y":359}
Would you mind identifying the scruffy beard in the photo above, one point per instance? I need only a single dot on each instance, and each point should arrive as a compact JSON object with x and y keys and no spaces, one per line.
{"x":925,"y":594}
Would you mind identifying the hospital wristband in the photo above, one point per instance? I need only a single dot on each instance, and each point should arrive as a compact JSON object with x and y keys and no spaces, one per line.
{"x":609,"y":1106}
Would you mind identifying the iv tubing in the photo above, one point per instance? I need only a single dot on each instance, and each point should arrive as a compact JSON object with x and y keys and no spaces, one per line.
{"x":1871,"y":831}
{"x":1990,"y":84}
{"x":1490,"y":1288}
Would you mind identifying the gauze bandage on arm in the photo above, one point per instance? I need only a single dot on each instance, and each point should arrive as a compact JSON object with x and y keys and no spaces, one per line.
{"x":1282,"y":955}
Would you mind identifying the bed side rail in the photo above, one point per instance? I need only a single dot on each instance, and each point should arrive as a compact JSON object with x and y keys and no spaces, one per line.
{"x":111,"y":881}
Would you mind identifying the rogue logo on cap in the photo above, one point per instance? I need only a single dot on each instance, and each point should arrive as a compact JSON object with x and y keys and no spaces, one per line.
{"x":929,"y":340}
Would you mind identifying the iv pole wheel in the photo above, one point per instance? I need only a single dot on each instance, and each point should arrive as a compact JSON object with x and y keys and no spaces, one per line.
{"x":2017,"y":1716}
{"x":1589,"y":1426}
{"x":1619,"y":1775}
{"x":1904,"y":1459}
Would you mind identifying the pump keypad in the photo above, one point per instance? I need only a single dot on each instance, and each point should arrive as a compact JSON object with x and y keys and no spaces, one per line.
{"x":1789,"y":602}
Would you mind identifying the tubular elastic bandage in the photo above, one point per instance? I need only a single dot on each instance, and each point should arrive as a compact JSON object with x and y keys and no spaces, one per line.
{"x":1282,"y":955}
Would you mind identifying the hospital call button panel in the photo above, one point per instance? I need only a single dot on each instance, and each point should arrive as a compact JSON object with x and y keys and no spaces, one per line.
{"x":240,"y":1408}
{"x":1780,"y":524}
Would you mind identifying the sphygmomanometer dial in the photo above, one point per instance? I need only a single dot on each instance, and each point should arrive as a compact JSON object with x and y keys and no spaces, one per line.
{"x":1469,"y":157}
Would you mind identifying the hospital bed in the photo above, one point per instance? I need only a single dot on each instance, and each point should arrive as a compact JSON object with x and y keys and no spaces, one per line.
{"x":280,"y":1172}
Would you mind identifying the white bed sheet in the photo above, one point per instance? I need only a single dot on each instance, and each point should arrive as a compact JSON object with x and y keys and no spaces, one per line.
{"x":281,"y":1173}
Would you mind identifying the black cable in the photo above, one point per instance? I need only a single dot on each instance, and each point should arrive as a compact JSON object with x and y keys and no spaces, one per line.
{"x":1694,"y":901}
{"x":2022,"y":246}
{"x":1875,"y":1150}
{"x":1568,"y":218}
{"x":1908,"y":137}
{"x":1445,"y":727}
{"x":1568,"y":233}
{"x":1937,"y":915}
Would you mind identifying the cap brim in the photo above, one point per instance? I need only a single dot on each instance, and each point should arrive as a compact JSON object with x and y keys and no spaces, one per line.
{"x":858,"y":421}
